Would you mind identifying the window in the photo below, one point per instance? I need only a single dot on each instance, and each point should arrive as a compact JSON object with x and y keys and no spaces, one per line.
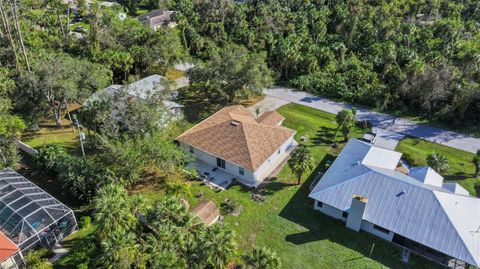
{"x":381,"y":229}
{"x":191,"y":149}
{"x":221,"y":163}
{"x":345,"y":214}
{"x":319,"y":204}
{"x":241,"y":171}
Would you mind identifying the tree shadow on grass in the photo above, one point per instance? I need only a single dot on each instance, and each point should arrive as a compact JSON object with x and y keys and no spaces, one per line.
{"x":199,"y":103}
{"x":321,"y":227}
{"x":274,"y":186}
{"x":459,"y":176}
{"x":323,"y":136}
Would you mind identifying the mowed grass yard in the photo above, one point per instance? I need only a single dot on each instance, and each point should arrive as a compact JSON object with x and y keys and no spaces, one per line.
{"x":286,"y":221}
{"x":461,"y":170}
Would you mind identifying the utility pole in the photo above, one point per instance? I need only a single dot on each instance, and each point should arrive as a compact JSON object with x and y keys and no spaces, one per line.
{"x":80,"y":134}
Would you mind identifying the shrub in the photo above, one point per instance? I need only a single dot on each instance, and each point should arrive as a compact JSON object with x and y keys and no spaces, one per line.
{"x":261,"y":258}
{"x":82,"y":251}
{"x":231,"y":207}
{"x":48,"y":157}
{"x":409,"y":159}
{"x":86,"y":221}
{"x":37,"y":259}
{"x":83,"y":176}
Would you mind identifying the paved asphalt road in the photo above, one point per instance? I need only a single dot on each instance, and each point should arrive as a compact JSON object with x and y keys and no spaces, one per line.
{"x":381,"y":120}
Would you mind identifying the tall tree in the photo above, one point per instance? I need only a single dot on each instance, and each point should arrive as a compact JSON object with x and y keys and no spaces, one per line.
{"x":301,"y":162}
{"x":438,"y":162}
{"x":10,"y":128}
{"x":60,"y":80}
{"x":113,"y":212}
{"x":235,"y":72}
{"x":476,"y":163}
{"x":19,"y":33}
{"x":345,"y":121}
{"x":8,"y":32}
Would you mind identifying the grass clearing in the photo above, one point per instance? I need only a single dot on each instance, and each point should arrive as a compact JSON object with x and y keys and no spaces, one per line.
{"x":173,"y":74}
{"x":48,"y":135}
{"x":286,"y":221}
{"x":461,"y":168}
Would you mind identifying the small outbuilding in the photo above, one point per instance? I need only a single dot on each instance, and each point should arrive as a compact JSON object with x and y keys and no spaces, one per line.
{"x":207,"y":211}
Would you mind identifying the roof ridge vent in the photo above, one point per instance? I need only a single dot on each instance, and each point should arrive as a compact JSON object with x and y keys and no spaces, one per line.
{"x":235,"y":123}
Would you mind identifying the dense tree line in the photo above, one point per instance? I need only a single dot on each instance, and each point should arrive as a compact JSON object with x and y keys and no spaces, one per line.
{"x":416,"y":57}
{"x":45,"y":67}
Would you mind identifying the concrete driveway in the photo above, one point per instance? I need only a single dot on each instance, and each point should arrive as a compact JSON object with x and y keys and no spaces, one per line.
{"x":386,"y":139}
{"x":269,"y":103}
{"x":380,"y":120}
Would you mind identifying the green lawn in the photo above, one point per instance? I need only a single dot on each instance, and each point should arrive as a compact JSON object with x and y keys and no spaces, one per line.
{"x":461,"y":168}
{"x":286,"y":221}
{"x":65,"y":137}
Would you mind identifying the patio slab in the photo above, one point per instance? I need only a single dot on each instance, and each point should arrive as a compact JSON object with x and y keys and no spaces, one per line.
{"x":217,"y":178}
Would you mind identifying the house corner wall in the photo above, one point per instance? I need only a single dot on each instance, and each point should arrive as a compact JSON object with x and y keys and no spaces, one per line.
{"x":271,"y":160}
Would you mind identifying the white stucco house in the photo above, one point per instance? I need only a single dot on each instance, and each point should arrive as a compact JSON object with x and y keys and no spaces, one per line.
{"x":366,"y":188}
{"x":233,"y":144}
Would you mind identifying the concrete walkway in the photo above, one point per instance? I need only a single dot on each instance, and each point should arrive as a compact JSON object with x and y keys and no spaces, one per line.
{"x":386,"y":139}
{"x":380,"y":120}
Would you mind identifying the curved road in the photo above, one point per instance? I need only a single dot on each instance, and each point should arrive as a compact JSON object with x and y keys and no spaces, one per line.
{"x":381,"y":120}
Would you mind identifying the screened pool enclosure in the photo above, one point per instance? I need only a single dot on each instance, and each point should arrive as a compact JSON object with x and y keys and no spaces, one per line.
{"x":29,"y":216}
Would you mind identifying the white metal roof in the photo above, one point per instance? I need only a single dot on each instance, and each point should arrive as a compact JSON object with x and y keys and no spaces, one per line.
{"x":431,"y":215}
{"x":143,"y":89}
{"x":426,"y":175}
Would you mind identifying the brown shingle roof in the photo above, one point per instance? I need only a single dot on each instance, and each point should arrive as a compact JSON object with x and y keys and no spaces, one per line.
{"x":270,"y":118}
{"x":234,"y":135}
{"x":206,"y":211}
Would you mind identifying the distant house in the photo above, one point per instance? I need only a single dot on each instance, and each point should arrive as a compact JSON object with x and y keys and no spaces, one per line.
{"x":142,"y":89}
{"x":10,"y":256}
{"x":29,"y":218}
{"x":207,"y":211}
{"x":157,"y":18}
{"x":232,"y":143}
{"x":414,"y":209}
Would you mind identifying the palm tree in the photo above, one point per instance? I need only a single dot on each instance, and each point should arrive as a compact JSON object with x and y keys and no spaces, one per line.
{"x":219,"y":246}
{"x":476,"y":163}
{"x":345,"y":120}
{"x":262,"y":258}
{"x":301,"y":162}
{"x":177,"y":188}
{"x":113,"y":211}
{"x":120,"y":251}
{"x":438,"y":162}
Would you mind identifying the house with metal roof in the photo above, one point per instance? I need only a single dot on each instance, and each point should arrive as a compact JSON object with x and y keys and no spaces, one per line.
{"x":157,"y":18}
{"x":154,"y":86}
{"x":414,"y":209}
{"x":234,"y":144}
{"x":29,"y":217}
